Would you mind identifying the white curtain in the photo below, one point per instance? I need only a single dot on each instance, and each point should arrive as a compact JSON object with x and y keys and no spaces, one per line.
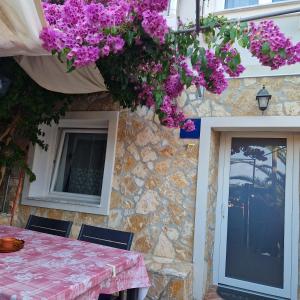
{"x":21,"y":22}
{"x":81,"y":163}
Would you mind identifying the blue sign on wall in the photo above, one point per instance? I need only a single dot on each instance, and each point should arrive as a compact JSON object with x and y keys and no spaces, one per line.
{"x":192,"y":134}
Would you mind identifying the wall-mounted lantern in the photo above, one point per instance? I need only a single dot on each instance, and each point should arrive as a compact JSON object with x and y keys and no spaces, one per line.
{"x":263,"y":97}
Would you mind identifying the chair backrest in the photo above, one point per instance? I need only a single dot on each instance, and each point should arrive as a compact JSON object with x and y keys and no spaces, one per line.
{"x":50,"y":226}
{"x":106,"y":237}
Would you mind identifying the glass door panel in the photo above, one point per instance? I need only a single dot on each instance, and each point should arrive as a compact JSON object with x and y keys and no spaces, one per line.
{"x":256,"y":206}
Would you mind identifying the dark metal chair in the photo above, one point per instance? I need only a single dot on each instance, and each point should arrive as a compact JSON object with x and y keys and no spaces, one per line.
{"x":107,"y":237}
{"x":50,"y":226}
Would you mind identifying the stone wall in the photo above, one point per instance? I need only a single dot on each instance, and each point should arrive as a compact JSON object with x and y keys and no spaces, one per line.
{"x":239,"y":98}
{"x":153,"y":195}
{"x":154,"y":183}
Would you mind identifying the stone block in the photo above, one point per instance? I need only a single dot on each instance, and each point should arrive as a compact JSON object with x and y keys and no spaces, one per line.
{"x":170,"y":279}
{"x":148,"y":202}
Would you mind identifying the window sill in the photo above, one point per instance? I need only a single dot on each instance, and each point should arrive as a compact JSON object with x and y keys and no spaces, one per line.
{"x":66,"y":204}
{"x":5,"y":215}
{"x":256,"y":7}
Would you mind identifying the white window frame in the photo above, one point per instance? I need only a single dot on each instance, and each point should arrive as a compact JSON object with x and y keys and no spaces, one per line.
{"x":40,"y":193}
{"x":220,"y":5}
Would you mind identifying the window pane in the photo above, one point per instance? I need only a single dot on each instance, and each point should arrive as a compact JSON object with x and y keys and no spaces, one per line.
{"x":239,"y":3}
{"x":278,"y":0}
{"x":81,"y":164}
{"x":256,"y":205}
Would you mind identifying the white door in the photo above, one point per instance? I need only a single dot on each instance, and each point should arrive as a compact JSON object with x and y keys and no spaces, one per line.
{"x":256,"y":219}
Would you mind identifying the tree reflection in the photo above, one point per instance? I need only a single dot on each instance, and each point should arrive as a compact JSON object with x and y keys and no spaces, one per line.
{"x":257,"y":198}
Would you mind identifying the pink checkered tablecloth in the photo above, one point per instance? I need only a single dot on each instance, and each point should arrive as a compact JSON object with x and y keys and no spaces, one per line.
{"x":56,"y":268}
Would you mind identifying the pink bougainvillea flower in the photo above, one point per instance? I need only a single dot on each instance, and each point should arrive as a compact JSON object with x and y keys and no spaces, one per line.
{"x":85,"y":32}
{"x":270,"y":45}
{"x":155,"y":25}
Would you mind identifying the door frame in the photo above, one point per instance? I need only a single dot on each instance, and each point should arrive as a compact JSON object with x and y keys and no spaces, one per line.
{"x":200,"y":251}
{"x":222,"y":219}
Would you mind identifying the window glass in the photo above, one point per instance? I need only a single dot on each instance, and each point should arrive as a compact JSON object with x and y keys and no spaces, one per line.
{"x":239,"y":3}
{"x":81,"y":163}
{"x":256,"y":208}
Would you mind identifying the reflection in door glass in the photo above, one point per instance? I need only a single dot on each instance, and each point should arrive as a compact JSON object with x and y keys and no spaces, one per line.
{"x":255,"y":238}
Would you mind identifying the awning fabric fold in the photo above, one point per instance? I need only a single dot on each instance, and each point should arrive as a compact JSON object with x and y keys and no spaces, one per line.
{"x":50,"y":73}
{"x":21,"y":22}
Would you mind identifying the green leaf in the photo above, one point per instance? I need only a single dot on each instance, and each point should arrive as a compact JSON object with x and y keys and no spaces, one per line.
{"x":243,"y":25}
{"x":70,"y":65}
{"x":232,"y":65}
{"x":204,"y":61}
{"x":158,"y":96}
{"x":241,"y":43}
{"x":59,"y":56}
{"x":190,"y":51}
{"x":33,"y":106}
{"x":183,"y":76}
{"x":194,"y":58}
{"x":265,"y":49}
{"x":114,"y":30}
{"x":244,"y":41}
{"x":233,"y":34}
{"x":272,"y":54}
{"x":217,"y":50}
{"x":129,"y":37}
{"x":282,"y":53}
{"x":188,"y":81}
{"x":237,"y":59}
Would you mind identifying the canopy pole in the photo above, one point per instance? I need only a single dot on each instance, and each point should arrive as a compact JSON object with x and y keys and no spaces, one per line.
{"x":197,"y":16}
{"x":252,"y":18}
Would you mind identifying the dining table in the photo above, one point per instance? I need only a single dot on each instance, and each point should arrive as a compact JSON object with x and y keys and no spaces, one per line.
{"x":50,"y":267}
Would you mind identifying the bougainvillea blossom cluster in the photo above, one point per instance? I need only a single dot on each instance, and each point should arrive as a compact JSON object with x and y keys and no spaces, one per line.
{"x":155,"y":25}
{"x":144,"y":62}
{"x":173,"y":85}
{"x":213,"y":73}
{"x":229,"y":53}
{"x":97,"y":27}
{"x":139,"y":7}
{"x":271,"y":46}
